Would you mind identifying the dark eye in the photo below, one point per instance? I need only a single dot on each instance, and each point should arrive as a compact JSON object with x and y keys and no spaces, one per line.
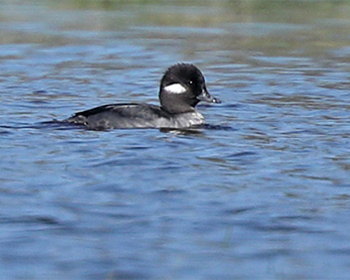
{"x":190,"y":82}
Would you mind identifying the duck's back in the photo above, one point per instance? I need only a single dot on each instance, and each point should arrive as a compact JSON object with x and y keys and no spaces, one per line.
{"x":131,"y":115}
{"x":134,"y":115}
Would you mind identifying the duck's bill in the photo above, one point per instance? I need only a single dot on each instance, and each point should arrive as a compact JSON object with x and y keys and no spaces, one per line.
{"x":206,"y":97}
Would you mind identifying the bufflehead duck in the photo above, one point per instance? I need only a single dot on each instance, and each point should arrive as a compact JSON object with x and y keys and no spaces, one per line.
{"x":181,"y":89}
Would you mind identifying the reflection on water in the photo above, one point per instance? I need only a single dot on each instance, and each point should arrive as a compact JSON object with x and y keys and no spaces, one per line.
{"x":260,"y":192}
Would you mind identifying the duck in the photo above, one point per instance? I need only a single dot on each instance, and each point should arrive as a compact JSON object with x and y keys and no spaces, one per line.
{"x":182,"y":87}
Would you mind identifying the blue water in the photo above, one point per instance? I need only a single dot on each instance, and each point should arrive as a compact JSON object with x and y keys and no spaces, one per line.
{"x":261,"y":192}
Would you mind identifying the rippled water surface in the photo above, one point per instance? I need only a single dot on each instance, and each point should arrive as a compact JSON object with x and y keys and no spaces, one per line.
{"x":261,"y":192}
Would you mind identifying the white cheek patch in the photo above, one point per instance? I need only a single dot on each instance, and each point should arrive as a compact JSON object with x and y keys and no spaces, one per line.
{"x":175,"y":88}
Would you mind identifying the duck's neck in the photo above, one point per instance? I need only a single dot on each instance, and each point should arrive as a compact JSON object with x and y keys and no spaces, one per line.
{"x":174,"y":104}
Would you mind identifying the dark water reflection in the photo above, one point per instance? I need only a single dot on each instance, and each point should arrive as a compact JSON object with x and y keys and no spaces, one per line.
{"x":260,"y":192}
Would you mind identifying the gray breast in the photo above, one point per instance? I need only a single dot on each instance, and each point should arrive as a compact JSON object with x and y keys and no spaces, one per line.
{"x":183,"y":120}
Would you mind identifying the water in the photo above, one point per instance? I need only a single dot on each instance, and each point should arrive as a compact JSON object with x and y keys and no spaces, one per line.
{"x":261,"y":192}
